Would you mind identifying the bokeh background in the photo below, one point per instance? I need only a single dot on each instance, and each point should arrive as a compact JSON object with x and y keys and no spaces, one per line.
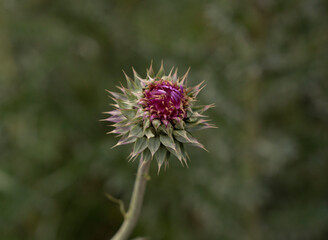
{"x":265,"y":63}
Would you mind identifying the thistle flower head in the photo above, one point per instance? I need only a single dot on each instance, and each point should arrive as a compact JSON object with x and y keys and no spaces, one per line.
{"x":158,"y":114}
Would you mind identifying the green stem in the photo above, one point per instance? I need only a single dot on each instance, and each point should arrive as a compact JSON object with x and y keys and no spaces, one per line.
{"x":131,"y":217}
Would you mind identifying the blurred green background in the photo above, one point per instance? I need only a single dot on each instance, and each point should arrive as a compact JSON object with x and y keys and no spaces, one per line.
{"x":265,"y":63}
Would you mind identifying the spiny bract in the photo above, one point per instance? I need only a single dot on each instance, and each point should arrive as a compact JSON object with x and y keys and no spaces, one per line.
{"x":157,"y":114}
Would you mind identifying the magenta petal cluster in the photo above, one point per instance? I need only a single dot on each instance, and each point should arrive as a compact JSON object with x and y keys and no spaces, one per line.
{"x":165,"y":101}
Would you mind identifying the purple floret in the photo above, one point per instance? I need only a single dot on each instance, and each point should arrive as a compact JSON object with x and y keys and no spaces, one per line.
{"x":165,"y":100}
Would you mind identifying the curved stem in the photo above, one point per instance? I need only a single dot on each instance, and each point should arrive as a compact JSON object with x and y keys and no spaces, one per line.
{"x":131,"y":217}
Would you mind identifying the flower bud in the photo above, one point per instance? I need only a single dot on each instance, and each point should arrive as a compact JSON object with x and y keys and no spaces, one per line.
{"x":158,"y":114}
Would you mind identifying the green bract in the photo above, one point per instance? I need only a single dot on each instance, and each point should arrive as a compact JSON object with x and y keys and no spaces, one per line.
{"x":158,"y":114}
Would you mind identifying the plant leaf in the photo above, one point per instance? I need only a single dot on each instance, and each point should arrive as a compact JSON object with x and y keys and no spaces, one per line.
{"x":136,"y":131}
{"x":156,"y":123}
{"x":167,"y":141}
{"x":146,"y":124}
{"x":125,"y":140}
{"x":161,"y":71}
{"x":146,"y":155}
{"x":185,"y":137}
{"x":136,"y":78}
{"x":161,"y":156}
{"x":150,"y":133}
{"x":128,"y":113}
{"x":131,"y":84}
{"x":139,"y":146}
{"x":153,"y":145}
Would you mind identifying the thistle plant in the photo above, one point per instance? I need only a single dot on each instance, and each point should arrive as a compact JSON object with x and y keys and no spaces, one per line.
{"x":158,"y":114}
